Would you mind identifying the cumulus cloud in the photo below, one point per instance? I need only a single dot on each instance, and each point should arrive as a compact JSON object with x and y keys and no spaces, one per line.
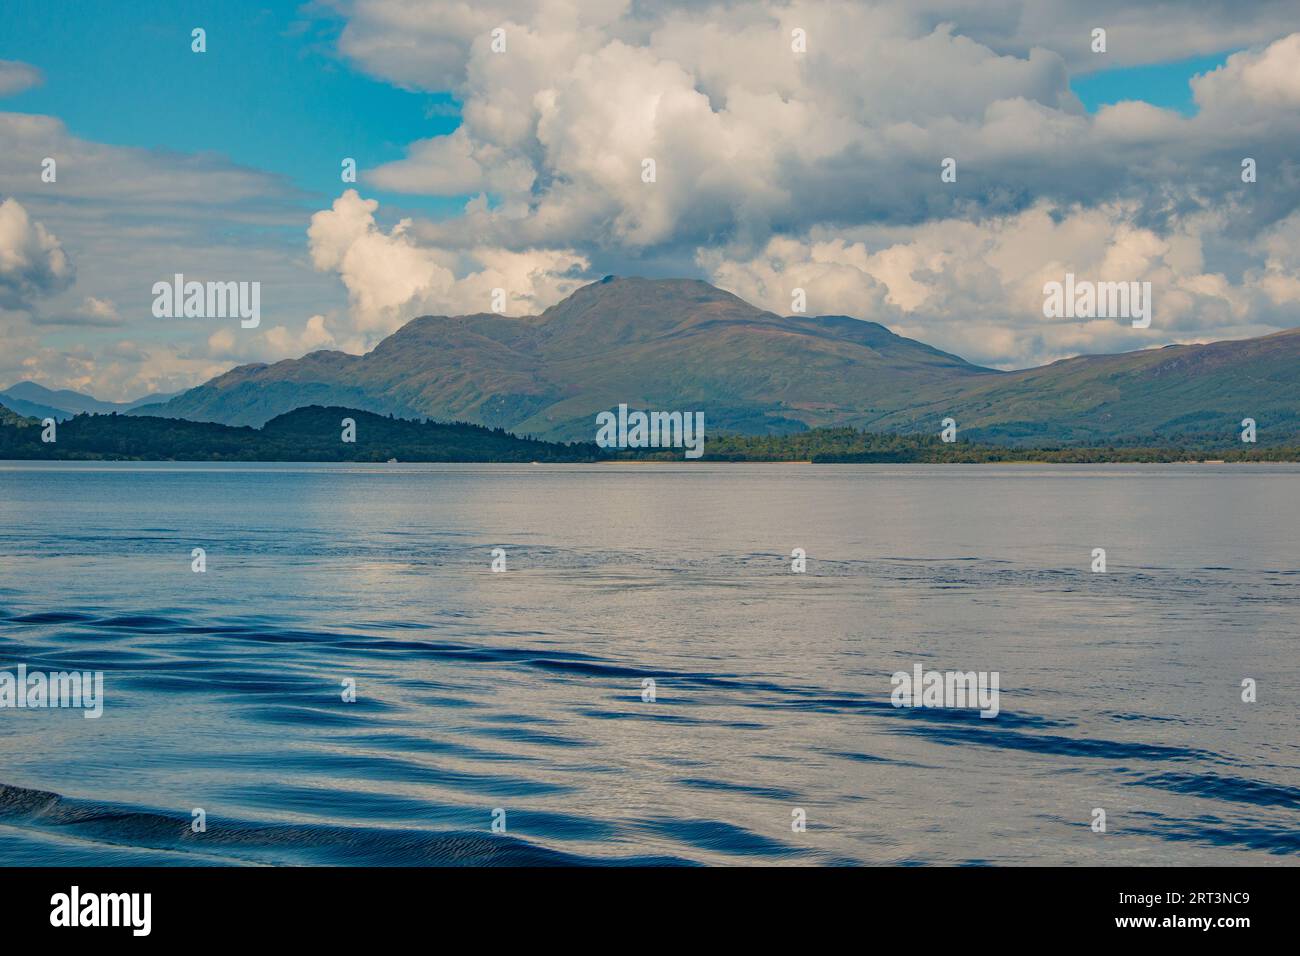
{"x":452,"y":166}
{"x":764,"y":154}
{"x":427,"y":44}
{"x":1259,"y":80}
{"x":750,"y":138}
{"x":274,"y":343}
{"x":32,"y":261}
{"x":391,"y":278}
{"x":1150,"y":32}
{"x":976,"y":287}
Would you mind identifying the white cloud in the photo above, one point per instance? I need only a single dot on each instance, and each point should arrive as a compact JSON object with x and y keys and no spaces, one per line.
{"x":426,"y":44}
{"x":1267,"y":79}
{"x":233,"y":344}
{"x":32,"y":261}
{"x":391,"y":279}
{"x":153,"y":180}
{"x":16,"y":77}
{"x":976,"y":287}
{"x":314,"y":336}
{"x":453,"y":165}
{"x":764,"y":155}
{"x":92,"y":312}
{"x":751,"y":139}
{"x":1153,"y":31}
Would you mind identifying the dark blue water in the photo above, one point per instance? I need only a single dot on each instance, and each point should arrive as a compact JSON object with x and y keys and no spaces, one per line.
{"x":522,"y":691}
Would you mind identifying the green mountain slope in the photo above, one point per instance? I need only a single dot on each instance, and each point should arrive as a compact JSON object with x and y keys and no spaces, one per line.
{"x":1167,"y":393}
{"x":678,"y":344}
{"x":669,"y":344}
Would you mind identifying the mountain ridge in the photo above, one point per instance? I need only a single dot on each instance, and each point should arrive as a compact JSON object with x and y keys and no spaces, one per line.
{"x":683,"y":344}
{"x":35,"y":400}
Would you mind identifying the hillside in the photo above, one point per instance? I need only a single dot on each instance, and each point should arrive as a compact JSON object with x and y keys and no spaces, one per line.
{"x":670,"y":344}
{"x":1171,"y":393}
{"x":305,"y":434}
{"x":680,"y":344}
{"x":37,"y":401}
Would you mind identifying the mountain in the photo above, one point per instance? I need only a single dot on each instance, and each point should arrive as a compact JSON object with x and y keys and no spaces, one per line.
{"x":681,"y":344}
{"x":33,"y":410}
{"x":37,"y":401}
{"x":1170,"y":393}
{"x":674,"y":344}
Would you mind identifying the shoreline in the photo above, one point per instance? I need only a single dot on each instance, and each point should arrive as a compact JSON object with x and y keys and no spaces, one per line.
{"x":636,"y":462}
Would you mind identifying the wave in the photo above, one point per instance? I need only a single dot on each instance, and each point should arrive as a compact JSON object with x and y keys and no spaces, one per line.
{"x":240,"y":842}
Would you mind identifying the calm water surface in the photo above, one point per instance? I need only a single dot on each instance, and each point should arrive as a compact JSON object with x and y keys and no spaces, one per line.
{"x":523,"y":691}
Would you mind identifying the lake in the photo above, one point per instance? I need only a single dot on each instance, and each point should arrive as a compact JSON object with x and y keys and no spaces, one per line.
{"x":520,"y":698}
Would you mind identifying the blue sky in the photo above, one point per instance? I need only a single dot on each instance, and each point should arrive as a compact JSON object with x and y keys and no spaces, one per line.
{"x":1160,"y":84}
{"x":270,"y":92}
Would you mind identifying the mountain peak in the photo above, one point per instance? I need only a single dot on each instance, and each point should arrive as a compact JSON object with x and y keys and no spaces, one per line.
{"x":33,"y":399}
{"x":34,"y":391}
{"x":641,"y":284}
{"x":647,"y":296}
{"x":617,"y":312}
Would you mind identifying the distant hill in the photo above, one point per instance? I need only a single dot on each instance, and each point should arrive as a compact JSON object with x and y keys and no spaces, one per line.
{"x":305,"y":434}
{"x":1172,"y":393}
{"x":33,"y":410}
{"x":315,"y":434}
{"x":37,"y":401}
{"x":679,"y":344}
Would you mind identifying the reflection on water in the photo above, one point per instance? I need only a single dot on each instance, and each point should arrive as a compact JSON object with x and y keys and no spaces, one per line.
{"x":522,"y":691}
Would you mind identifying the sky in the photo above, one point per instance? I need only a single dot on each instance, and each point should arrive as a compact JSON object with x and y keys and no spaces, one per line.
{"x":795,"y":146}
